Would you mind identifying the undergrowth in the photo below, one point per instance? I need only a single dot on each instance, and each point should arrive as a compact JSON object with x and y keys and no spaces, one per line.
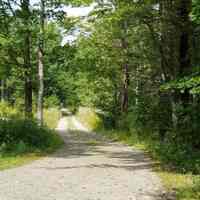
{"x":23,"y":140}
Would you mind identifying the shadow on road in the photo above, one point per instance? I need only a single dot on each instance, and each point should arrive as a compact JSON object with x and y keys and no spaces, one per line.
{"x":80,"y":144}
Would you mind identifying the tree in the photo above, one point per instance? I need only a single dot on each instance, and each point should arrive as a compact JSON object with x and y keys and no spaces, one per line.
{"x":25,"y":14}
{"x":41,"y":64}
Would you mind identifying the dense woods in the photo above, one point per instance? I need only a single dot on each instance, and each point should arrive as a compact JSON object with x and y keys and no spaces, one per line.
{"x":137,"y":63}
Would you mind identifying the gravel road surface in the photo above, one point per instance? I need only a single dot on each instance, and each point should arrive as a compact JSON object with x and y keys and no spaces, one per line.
{"x":88,"y":167}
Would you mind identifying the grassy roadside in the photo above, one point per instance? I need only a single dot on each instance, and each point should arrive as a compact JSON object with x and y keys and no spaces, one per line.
{"x":89,"y":118}
{"x":23,"y":142}
{"x":9,"y":161}
{"x":51,"y":117}
{"x":186,"y":186}
{"x":15,"y":159}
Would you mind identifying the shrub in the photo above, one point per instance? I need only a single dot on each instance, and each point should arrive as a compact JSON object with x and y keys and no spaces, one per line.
{"x":20,"y":134}
{"x":7,"y":111}
{"x":181,"y":157}
{"x":51,"y":101}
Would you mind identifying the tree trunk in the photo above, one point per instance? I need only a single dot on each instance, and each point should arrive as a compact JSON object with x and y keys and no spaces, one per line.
{"x":41,"y":65}
{"x":137,"y":85}
{"x":125,"y":95}
{"x":125,"y":71}
{"x":28,"y":78}
{"x":176,"y":50}
{"x":2,"y":90}
{"x":27,"y":59}
{"x":184,"y":9}
{"x":167,"y":59}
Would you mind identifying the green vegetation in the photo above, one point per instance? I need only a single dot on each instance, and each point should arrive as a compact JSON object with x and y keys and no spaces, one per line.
{"x":176,"y":165}
{"x":89,"y":118}
{"x":23,"y":141}
{"x":10,"y":161}
{"x":7,"y":111}
{"x":51,"y":117}
{"x":135,"y":62}
{"x":185,"y":186}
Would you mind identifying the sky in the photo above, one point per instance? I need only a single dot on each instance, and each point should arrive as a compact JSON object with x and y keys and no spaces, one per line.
{"x":73,"y":11}
{"x":81,"y":11}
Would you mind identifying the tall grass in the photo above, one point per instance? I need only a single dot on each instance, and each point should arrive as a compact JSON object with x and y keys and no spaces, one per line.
{"x":23,"y":140}
{"x":51,"y":117}
{"x":89,"y":118}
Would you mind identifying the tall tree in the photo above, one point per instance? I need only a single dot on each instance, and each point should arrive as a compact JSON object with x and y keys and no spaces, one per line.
{"x":26,"y":17}
{"x":176,"y":47}
{"x":41,"y":63}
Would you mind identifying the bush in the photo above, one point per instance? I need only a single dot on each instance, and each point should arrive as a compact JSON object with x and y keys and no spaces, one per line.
{"x":20,"y":135}
{"x":7,"y":111}
{"x":181,"y":157}
{"x":51,"y":101}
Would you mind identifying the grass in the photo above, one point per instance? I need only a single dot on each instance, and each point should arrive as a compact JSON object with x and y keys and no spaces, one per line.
{"x":10,"y":161}
{"x":51,"y":117}
{"x":23,"y":141}
{"x":89,"y":118}
{"x":186,"y":186}
{"x":13,"y":158}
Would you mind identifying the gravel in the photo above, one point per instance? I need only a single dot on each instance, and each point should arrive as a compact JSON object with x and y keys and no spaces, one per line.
{"x":86,"y":168}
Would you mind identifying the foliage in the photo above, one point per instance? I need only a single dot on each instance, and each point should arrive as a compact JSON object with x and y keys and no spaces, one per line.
{"x":187,"y":83}
{"x":185,"y":186}
{"x":7,"y":111}
{"x":196,"y":11}
{"x":23,"y":141}
{"x":51,"y":101}
{"x":19,"y":135}
{"x":141,"y":55}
